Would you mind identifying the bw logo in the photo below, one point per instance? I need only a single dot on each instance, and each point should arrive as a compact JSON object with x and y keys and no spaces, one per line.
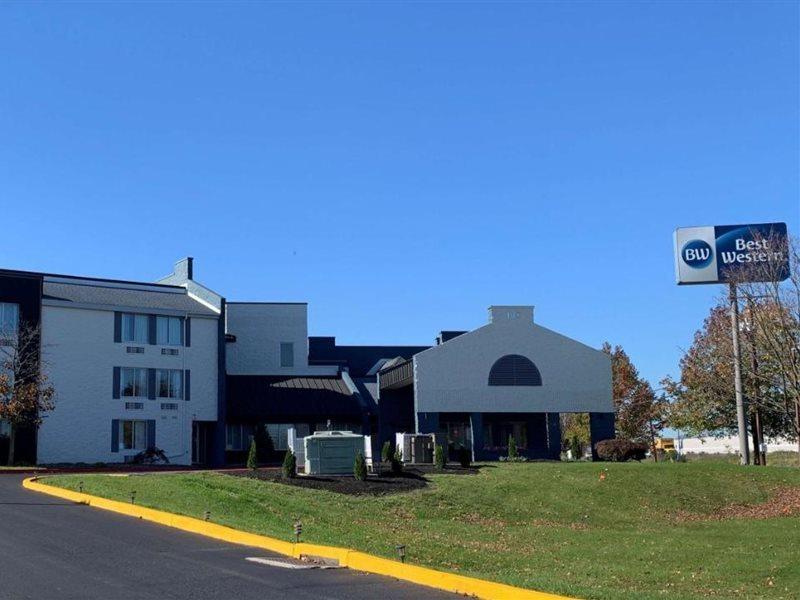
{"x":697,"y":254}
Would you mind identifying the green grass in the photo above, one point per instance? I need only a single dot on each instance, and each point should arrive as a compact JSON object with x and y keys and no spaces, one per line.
{"x":547,"y":526}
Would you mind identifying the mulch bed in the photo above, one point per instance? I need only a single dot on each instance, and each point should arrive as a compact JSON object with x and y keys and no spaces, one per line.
{"x":381,"y":484}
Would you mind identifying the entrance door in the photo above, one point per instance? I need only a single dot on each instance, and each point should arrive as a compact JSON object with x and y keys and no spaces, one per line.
{"x":459,"y":433}
{"x":200,"y":439}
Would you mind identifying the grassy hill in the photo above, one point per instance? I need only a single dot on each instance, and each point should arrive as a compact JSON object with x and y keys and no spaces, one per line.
{"x":692,"y":530}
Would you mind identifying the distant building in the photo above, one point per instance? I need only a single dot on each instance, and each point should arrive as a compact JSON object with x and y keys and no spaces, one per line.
{"x":726,"y":445}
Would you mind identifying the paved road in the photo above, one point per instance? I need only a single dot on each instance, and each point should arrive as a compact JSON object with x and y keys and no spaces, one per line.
{"x":51,"y":549}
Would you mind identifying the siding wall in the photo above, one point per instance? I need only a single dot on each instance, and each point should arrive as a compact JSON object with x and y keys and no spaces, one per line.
{"x":259,"y":331}
{"x":453,"y":377}
{"x":80,"y":355}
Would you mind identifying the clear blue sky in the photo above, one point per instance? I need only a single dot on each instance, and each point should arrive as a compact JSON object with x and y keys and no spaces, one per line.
{"x":401,"y":166}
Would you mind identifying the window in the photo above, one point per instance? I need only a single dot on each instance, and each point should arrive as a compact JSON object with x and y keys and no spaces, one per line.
{"x":287,"y":354}
{"x":279,"y":432}
{"x":168,"y":383}
{"x":133,"y":382}
{"x":133,"y":435}
{"x":514,"y":369}
{"x":237,"y":437}
{"x":9,"y":322}
{"x":168,"y":331}
{"x":134,"y":328}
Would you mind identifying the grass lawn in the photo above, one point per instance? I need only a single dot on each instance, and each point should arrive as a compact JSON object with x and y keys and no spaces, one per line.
{"x":646,"y":531}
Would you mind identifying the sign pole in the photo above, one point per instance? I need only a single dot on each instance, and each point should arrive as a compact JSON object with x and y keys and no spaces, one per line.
{"x":744,"y":448}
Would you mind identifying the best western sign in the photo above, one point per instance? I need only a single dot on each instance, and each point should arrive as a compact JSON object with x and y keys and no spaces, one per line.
{"x":723,"y":253}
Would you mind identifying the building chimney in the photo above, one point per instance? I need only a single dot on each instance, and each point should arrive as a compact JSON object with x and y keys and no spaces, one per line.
{"x":505,"y":314}
{"x":184,"y":268}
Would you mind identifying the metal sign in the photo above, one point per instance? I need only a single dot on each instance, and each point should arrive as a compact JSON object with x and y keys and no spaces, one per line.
{"x":725,"y":253}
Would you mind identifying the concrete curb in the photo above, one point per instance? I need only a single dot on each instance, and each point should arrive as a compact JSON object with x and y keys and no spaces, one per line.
{"x":352,"y":559}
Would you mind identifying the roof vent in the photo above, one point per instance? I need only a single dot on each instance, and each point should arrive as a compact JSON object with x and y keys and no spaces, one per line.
{"x":510,"y":314}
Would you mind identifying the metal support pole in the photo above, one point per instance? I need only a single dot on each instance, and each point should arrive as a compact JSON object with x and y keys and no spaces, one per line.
{"x":744,"y":447}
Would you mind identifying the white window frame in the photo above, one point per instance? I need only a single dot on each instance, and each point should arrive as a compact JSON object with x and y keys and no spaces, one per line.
{"x":143,"y":393}
{"x":173,"y":334}
{"x":174,"y":383}
{"x":138,"y":435}
{"x":138,"y":335}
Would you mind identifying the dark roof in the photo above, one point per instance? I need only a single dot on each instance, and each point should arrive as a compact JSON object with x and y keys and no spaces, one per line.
{"x":159,"y":297}
{"x":292,"y":398}
{"x":357,"y":359}
{"x":368,"y":389}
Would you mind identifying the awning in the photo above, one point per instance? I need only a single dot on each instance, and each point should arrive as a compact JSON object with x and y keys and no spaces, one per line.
{"x":290,"y":398}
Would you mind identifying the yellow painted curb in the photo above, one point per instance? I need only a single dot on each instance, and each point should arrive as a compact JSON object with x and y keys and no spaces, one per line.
{"x":352,"y":559}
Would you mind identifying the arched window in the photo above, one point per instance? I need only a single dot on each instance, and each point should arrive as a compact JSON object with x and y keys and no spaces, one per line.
{"x":514,"y":369}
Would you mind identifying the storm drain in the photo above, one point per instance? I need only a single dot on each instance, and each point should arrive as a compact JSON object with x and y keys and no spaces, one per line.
{"x":288,"y":563}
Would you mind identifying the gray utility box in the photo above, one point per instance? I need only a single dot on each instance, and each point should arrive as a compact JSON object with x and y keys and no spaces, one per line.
{"x":416,"y":448}
{"x":332,"y":452}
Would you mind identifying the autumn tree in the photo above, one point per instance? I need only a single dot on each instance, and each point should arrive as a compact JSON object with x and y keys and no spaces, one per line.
{"x":25,"y":392}
{"x":702,"y":399}
{"x":640,"y":412}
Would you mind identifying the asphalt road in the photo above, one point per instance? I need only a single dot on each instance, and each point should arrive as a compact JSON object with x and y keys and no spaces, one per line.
{"x":51,"y":549}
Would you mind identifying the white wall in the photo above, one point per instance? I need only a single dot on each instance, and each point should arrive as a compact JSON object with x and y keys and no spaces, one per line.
{"x":80,"y":354}
{"x":727,"y":445}
{"x":453,"y":377}
{"x":259,"y":331}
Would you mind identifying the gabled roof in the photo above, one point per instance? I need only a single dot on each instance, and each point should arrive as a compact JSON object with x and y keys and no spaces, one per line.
{"x":134,"y":297}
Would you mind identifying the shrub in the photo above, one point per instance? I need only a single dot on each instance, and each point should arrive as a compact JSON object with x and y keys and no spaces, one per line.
{"x":252,"y":456}
{"x":360,"y":467}
{"x":289,"y":468}
{"x":386,"y":452}
{"x":672,"y":456}
{"x":438,"y":457}
{"x":265,"y":448}
{"x":515,"y":459}
{"x":575,"y":446}
{"x":397,"y":462}
{"x":151,"y":456}
{"x":464,"y":457}
{"x":512,"y":448}
{"x":619,"y":450}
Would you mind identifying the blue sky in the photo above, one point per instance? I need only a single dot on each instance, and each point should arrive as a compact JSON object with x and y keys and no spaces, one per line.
{"x":401,"y":166}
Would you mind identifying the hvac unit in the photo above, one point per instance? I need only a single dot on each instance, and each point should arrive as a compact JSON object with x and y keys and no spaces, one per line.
{"x":416,"y":448}
{"x":332,"y":452}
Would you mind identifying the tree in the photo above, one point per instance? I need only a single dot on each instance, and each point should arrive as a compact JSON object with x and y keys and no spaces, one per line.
{"x":575,"y":433}
{"x":360,"y":467}
{"x":438,"y":457}
{"x":639,"y":412}
{"x":25,"y":391}
{"x":264,"y":444}
{"x":289,"y":467}
{"x":702,"y":399}
{"x":512,"y":448}
{"x":386,"y":452}
{"x":770,"y":322}
{"x":252,"y":456}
